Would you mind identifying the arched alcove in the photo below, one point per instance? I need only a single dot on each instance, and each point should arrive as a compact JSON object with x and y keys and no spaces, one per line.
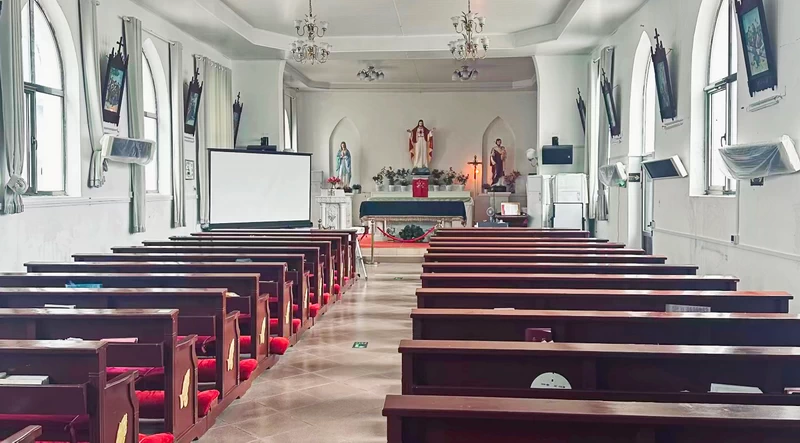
{"x":346,"y":131}
{"x":498,"y":128}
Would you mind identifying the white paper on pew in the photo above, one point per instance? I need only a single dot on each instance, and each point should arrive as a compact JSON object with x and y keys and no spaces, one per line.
{"x":688,"y":308}
{"x":231,"y":294}
{"x":49,"y":306}
{"x":550,"y":380}
{"x":3,"y":374}
{"x":503,"y":309}
{"x":244,"y":260}
{"x":734,"y":389}
{"x":25,"y":380}
{"x":121,"y":340}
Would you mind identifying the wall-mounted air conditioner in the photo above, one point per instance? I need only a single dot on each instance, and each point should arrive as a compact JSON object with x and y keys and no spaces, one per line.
{"x":613,"y":175}
{"x":756,"y":160}
{"x":665,"y":168}
{"x":128,"y":150}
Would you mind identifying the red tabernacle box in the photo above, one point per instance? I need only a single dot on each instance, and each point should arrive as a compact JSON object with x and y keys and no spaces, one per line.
{"x":420,"y":187}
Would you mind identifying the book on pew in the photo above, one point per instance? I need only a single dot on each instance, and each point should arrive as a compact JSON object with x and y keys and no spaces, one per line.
{"x":52,"y":306}
{"x":121,"y":340}
{"x":687,"y":308}
{"x":734,"y":389}
{"x":71,"y":285}
{"x":25,"y":380}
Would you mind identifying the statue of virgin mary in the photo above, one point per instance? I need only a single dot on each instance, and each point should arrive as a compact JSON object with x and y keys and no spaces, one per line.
{"x":420,"y":146}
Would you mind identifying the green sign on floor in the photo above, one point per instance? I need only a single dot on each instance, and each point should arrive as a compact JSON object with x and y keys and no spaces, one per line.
{"x":360,"y":345}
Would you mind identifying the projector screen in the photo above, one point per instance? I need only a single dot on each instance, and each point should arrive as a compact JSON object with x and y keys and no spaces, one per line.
{"x":259,"y":189}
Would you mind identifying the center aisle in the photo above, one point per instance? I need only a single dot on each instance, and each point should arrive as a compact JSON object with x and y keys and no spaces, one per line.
{"x":323,"y":390}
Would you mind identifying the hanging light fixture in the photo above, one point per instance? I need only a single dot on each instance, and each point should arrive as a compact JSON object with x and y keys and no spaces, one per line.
{"x":309,"y":50}
{"x":370,"y":74}
{"x":469,"y":46}
{"x":465,"y":74}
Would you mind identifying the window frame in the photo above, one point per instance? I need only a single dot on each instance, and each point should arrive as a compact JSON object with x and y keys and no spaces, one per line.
{"x":30,"y":89}
{"x":154,"y":117}
{"x":729,"y":86}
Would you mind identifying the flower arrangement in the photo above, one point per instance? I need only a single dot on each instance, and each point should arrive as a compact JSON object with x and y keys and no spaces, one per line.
{"x":450,"y":176}
{"x":462,"y":178}
{"x":378,"y":179}
{"x":404,"y":177}
{"x":391,"y":176}
{"x":335,"y":182}
{"x":511,"y":180}
{"x":436,"y":177}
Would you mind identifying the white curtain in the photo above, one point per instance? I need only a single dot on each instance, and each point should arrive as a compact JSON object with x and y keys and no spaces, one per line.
{"x":606,"y":65}
{"x":91,"y":86}
{"x":176,"y":90}
{"x":133,"y":46}
{"x":215,"y":123}
{"x":12,"y":108}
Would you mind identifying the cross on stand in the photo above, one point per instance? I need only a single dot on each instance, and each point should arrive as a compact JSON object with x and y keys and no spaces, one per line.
{"x":475,"y":164}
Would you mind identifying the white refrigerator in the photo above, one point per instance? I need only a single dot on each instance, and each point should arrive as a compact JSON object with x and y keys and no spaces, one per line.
{"x":570,"y":201}
{"x":540,"y":201}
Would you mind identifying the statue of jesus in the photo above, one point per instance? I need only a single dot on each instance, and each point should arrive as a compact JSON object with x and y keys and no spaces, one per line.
{"x":420,"y":145}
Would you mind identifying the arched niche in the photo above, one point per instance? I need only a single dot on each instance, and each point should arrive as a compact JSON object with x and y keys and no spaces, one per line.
{"x":498,"y":128}
{"x":346,"y":131}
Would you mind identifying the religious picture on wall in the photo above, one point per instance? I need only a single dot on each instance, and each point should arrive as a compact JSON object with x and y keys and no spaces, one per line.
{"x":114,"y":84}
{"x":661,"y":75}
{"x":420,"y":146}
{"x":666,"y":95}
{"x":497,"y":160}
{"x":344,"y":165}
{"x":754,"y":42}
{"x":193,"y":103}
{"x":116,"y":78}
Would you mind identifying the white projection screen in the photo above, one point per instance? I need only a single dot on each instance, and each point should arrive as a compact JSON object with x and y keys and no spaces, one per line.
{"x":259,"y":189}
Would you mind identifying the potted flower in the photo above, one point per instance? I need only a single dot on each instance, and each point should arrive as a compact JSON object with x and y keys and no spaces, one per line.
{"x":461,"y":181}
{"x":356,"y":189}
{"x":404,"y":178}
{"x":391,"y":177}
{"x":378,"y":179}
{"x":435,"y":180}
{"x":449,"y":178}
{"x":335,"y":184}
{"x":511,"y":180}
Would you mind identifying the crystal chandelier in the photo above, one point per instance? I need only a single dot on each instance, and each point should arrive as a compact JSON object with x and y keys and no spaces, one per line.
{"x":465,"y":74}
{"x":309,"y":50}
{"x":370,"y":74}
{"x":469,"y":46}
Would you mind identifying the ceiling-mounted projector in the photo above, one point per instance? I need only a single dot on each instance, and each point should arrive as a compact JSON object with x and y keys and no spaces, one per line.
{"x":613,"y":175}
{"x":128,"y":150}
{"x":756,"y":160}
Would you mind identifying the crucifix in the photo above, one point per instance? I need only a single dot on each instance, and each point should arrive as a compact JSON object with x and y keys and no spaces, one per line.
{"x":475,"y":164}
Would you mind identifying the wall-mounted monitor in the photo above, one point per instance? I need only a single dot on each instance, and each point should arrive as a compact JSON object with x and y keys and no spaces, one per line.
{"x":665,"y":168}
{"x":557,"y":155}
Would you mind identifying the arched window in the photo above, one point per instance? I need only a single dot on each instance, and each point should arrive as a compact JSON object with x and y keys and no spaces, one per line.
{"x":150,"y":123}
{"x":721,"y":125}
{"x":43,"y":76}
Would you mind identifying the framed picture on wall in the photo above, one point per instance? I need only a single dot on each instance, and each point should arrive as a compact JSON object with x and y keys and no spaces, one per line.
{"x":611,"y":107}
{"x":666,"y":95}
{"x":762,"y":73}
{"x":581,"y":110}
{"x":237,"y":117}
{"x":193,"y":103}
{"x":114,"y":83}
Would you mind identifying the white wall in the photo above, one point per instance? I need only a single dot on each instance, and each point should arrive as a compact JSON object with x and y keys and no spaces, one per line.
{"x":382,"y":118}
{"x":691,"y":228}
{"x":261,"y":86}
{"x":93,"y":220}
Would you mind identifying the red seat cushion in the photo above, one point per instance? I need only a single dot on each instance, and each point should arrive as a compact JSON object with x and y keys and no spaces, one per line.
{"x":246,"y":368}
{"x":296,"y":323}
{"x":313,"y":310}
{"x":207,"y":369}
{"x":156,"y":438}
{"x":146,"y":374}
{"x":346,"y":279}
{"x":313,"y":297}
{"x":205,"y":401}
{"x":245,"y":345}
{"x":151,"y":404}
{"x":278,"y":345}
{"x":337,"y":289}
{"x":326,"y":298}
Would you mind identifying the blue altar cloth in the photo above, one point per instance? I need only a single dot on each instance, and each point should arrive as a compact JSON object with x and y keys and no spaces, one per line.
{"x":413,"y":208}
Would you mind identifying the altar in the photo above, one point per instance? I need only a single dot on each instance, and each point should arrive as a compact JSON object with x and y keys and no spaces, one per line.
{"x":391,"y":211}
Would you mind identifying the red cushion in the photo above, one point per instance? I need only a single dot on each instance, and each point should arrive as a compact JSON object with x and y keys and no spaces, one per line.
{"x":155,"y":374}
{"x":296,"y":323}
{"x":205,"y":401}
{"x":273,"y":323}
{"x":337,"y":289}
{"x":245,"y":345}
{"x":207,"y":369}
{"x":313,"y":297}
{"x":246,"y":368}
{"x":324,"y":286}
{"x":313,"y":310}
{"x":156,"y":438}
{"x":326,"y":298}
{"x":278,"y":345}
{"x":151,"y":404}
{"x":346,"y":279}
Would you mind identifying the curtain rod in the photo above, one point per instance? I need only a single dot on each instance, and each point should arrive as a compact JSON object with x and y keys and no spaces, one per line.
{"x":151,"y":32}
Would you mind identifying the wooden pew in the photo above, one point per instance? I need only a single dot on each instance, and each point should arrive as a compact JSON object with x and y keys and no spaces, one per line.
{"x":203,"y":312}
{"x":433,"y":419}
{"x":272,"y":281}
{"x":677,"y":328}
{"x":314,"y":260}
{"x":295,"y":270}
{"x":27,"y":435}
{"x":328,"y":263}
{"x":602,"y":299}
{"x":510,"y":232}
{"x":437,"y":257}
{"x":480,"y":249}
{"x":558,"y":268}
{"x":509,"y":243}
{"x":349,"y":240}
{"x":510,"y":239}
{"x":158,"y":346}
{"x":250,"y":301}
{"x":599,"y":371}
{"x":78,"y":387}
{"x":580,"y":281}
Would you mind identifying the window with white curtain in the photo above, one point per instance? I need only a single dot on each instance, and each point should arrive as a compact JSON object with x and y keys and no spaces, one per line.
{"x":721,"y":124}
{"x":43,"y":75}
{"x":150,"y":123}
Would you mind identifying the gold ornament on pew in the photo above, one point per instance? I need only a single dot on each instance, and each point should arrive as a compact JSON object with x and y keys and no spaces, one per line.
{"x":184,"y":396}
{"x":262,"y":338}
{"x":287,"y":316}
{"x":231,"y":351}
{"x":122,"y":430}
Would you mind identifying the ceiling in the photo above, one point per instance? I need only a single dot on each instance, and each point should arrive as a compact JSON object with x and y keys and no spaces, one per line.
{"x":410,"y":36}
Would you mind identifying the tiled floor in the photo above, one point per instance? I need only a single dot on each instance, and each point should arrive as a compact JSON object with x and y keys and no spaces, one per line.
{"x":323,"y":390}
